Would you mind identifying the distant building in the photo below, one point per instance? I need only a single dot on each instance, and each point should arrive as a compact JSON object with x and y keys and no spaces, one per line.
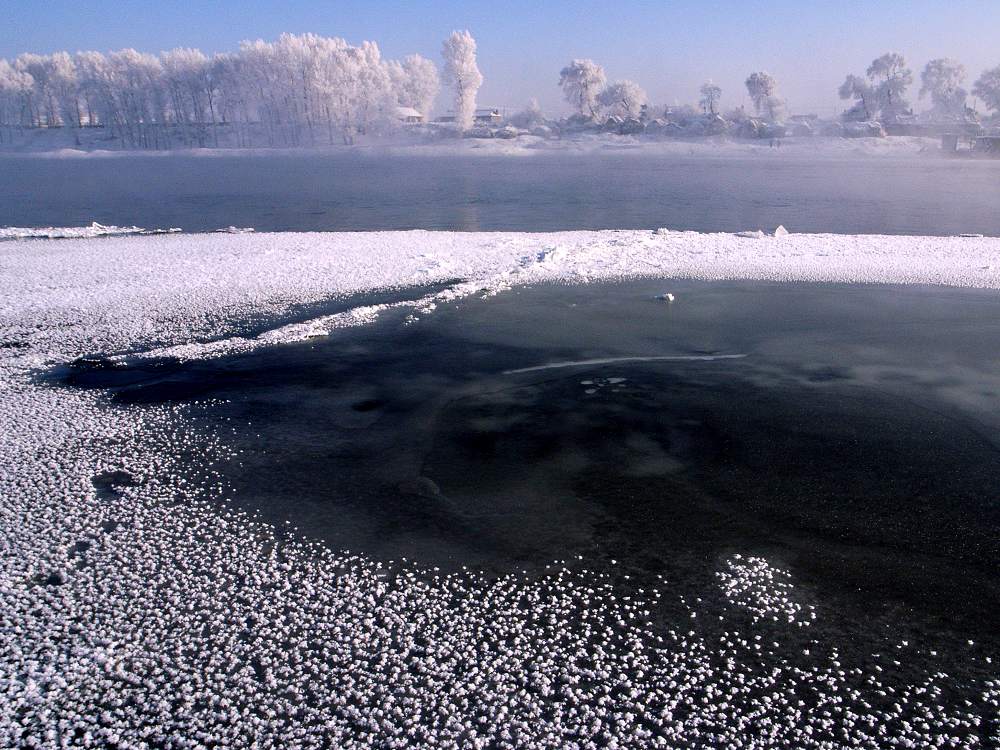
{"x":490,"y":116}
{"x":486,"y":116}
{"x":408,"y":114}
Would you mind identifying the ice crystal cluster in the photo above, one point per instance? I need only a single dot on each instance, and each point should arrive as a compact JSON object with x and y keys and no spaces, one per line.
{"x":761,"y":588}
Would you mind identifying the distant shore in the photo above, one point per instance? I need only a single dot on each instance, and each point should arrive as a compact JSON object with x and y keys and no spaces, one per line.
{"x":69,"y":144}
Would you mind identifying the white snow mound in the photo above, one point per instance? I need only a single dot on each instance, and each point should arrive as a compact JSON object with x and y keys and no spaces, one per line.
{"x":62,"y":233}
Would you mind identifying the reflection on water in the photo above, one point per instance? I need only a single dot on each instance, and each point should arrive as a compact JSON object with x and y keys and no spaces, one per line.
{"x":857,"y":439}
{"x":919,"y":195}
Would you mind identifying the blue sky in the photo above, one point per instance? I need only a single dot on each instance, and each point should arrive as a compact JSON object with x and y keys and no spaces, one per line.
{"x":669,"y":47}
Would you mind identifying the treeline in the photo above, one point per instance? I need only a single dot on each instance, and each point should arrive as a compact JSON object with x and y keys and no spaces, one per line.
{"x":306,"y":90}
{"x":882,"y":93}
{"x":298,"y":90}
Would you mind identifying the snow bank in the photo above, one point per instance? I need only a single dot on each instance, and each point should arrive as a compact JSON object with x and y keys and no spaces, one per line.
{"x":138,"y":609}
{"x":60,"y":233}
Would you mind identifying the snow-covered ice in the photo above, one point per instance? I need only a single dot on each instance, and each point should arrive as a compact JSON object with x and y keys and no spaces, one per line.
{"x":137,"y":609}
{"x":93,"y":230}
{"x":191,"y":287}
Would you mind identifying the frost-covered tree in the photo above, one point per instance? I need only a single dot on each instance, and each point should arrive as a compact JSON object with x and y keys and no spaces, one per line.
{"x":297,"y":58}
{"x":736,"y":114}
{"x":55,"y":82}
{"x":987,"y":88}
{"x":415,"y":82}
{"x":42,"y":104}
{"x":94,"y":83}
{"x":461,"y":71}
{"x":890,"y":78}
{"x":357,"y":90}
{"x":763,"y":90}
{"x":124,"y":92}
{"x":942,"y":80}
{"x":54,"y":98}
{"x":682,"y":114}
{"x":293,"y":91}
{"x":530,"y":117}
{"x":139,"y":102}
{"x":65,"y":88}
{"x":710,"y":95}
{"x":265,"y":80}
{"x":582,"y":82}
{"x":235,"y":97}
{"x":15,"y":95}
{"x":374,"y":100}
{"x":302,"y":86}
{"x":623,"y":99}
{"x":16,"y":86}
{"x":865,"y":102}
{"x":190,"y":88}
{"x":882,"y":95}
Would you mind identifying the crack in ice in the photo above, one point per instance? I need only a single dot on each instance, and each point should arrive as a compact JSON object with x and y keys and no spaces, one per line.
{"x":617,"y":360}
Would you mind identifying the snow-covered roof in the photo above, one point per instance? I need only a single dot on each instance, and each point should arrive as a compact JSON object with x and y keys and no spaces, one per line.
{"x":403,"y":112}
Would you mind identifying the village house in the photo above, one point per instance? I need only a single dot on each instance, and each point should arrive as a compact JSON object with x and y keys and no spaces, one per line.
{"x":485,"y":116}
{"x":408,"y":115}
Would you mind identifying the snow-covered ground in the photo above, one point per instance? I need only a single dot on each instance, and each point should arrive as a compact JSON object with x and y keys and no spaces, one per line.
{"x":137,"y":611}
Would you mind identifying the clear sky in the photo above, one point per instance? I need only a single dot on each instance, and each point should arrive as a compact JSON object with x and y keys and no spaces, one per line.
{"x":669,"y":47}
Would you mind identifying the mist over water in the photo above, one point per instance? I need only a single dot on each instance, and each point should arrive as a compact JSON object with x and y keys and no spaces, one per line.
{"x":857,"y":195}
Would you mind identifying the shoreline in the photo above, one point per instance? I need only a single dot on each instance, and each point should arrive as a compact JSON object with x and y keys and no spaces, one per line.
{"x":526,"y":145}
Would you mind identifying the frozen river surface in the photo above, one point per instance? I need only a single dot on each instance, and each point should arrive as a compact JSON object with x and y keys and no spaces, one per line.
{"x":919,"y":194}
{"x":850,"y":432}
{"x":760,"y":511}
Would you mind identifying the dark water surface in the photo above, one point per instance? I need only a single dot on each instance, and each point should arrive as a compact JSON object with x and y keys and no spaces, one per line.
{"x":857,"y":442}
{"x":544,"y":192}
